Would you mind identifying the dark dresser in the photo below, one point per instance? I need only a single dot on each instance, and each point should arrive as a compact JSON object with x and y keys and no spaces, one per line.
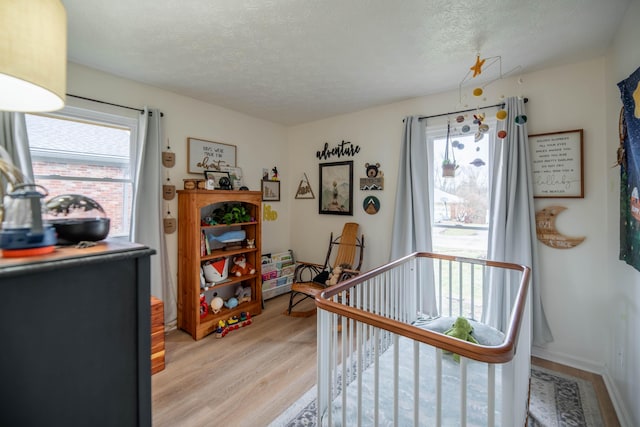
{"x":75,"y":337}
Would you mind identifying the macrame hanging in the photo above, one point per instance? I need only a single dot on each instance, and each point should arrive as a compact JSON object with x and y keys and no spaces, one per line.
{"x":449,"y":165}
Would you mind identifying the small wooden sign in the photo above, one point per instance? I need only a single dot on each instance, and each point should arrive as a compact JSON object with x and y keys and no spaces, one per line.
{"x":168,"y":159}
{"x":168,"y":191}
{"x":547,"y":232}
{"x":170,"y":225}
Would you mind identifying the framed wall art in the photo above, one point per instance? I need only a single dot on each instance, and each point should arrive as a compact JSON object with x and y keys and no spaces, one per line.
{"x":304,"y":189}
{"x":205,"y":155}
{"x":270,"y":191}
{"x":557,"y":164}
{"x":220,"y":180}
{"x":336,"y":188}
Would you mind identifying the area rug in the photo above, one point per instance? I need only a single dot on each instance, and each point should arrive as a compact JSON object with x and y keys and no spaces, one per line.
{"x":562,"y":400}
{"x":556,"y":400}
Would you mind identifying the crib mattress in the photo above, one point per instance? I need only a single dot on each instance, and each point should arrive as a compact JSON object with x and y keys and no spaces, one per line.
{"x":477,"y":385}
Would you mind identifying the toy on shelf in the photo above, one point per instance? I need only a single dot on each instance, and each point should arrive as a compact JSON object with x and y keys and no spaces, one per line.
{"x":233,"y":323}
{"x":243,"y":294}
{"x":216,"y":270}
{"x":216,"y":305}
{"x":231,"y":303}
{"x":204,"y":308}
{"x":241,"y":267}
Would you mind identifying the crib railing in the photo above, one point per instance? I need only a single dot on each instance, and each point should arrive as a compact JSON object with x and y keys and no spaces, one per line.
{"x":359,"y":320}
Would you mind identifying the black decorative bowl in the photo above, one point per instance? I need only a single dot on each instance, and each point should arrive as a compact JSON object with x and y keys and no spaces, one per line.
{"x":72,"y":231}
{"x":76,"y":218}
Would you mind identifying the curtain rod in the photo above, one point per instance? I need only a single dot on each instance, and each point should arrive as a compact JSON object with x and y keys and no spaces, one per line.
{"x":105,"y":102}
{"x":110,"y":103}
{"x":466,"y":111}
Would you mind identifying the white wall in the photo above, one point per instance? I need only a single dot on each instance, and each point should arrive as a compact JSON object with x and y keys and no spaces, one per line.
{"x":260,"y":144}
{"x":575,"y":284}
{"x":623,"y":284}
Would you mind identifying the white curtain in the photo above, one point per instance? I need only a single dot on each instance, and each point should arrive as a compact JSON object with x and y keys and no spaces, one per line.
{"x":412,"y":216}
{"x":147,"y":215}
{"x":14,"y":140}
{"x":512,"y":226}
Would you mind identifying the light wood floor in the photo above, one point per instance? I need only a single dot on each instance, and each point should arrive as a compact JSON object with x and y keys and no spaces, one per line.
{"x":247,"y":378}
{"x":253,"y":374}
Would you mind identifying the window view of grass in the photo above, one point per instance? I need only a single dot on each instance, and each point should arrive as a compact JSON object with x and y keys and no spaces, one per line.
{"x":461,"y":202}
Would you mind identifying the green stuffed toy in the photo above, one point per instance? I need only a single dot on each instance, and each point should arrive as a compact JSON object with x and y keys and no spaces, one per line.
{"x":462,"y":330}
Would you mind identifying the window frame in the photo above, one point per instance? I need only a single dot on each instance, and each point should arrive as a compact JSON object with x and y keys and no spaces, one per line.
{"x":97,"y":118}
{"x":438,"y":131}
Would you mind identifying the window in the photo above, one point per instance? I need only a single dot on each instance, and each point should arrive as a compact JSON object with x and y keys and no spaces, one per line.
{"x":78,"y":151}
{"x":461,"y":203}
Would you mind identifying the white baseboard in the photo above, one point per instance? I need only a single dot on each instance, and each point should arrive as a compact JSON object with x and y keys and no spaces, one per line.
{"x":623,"y":415}
{"x":565,"y":359}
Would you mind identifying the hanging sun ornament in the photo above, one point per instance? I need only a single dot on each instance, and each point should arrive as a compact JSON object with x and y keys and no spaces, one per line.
{"x":501,"y":114}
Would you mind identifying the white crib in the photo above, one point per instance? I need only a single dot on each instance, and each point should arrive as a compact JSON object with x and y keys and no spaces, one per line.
{"x":383,"y":359}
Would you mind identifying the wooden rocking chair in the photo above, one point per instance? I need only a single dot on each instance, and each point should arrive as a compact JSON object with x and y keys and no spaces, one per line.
{"x":310,"y":279}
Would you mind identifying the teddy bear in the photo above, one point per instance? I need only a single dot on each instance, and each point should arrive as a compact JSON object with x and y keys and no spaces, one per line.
{"x":462,"y":330}
{"x":241,"y":267}
{"x":334,"y":276}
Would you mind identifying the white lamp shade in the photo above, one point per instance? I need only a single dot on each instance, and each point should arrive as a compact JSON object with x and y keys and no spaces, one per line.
{"x":33,"y":55}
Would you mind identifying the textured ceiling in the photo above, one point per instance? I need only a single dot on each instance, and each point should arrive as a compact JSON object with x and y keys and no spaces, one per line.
{"x":294,"y":61}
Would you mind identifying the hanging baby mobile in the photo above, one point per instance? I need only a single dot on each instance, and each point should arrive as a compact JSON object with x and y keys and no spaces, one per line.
{"x":477,"y":125}
{"x":478,"y":91}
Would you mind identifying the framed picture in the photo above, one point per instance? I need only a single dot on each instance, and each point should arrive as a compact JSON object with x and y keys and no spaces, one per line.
{"x":270,"y":191}
{"x":235,"y":174}
{"x":336,"y":188}
{"x":557,"y":164}
{"x":214,"y":177}
{"x":205,"y":155}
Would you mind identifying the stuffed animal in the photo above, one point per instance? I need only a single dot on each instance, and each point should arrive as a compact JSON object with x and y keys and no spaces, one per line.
{"x":462,"y":330}
{"x":334,"y":276}
{"x":216,"y":305}
{"x":243,"y":294}
{"x":241,"y":267}
{"x":231,"y":302}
